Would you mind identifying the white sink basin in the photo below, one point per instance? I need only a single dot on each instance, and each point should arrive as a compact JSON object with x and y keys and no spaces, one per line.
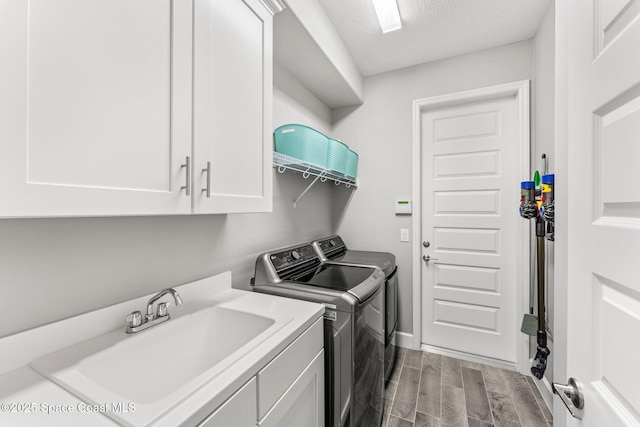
{"x":173,"y":352}
{"x":157,"y":368}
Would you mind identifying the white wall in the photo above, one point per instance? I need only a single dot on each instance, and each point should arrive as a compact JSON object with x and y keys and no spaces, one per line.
{"x":52,"y":269}
{"x":381,"y":132}
{"x":293,"y":103}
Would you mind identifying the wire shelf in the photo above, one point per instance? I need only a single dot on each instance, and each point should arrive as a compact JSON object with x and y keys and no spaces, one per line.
{"x":283,"y":163}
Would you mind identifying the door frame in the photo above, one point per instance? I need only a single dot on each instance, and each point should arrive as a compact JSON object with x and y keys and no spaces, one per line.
{"x":519,"y":89}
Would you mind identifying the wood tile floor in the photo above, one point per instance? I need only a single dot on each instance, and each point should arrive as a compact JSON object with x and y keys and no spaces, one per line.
{"x":429,"y":390}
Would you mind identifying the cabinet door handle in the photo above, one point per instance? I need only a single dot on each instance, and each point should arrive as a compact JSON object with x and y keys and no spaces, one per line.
{"x":187,"y":166}
{"x":207,"y":189}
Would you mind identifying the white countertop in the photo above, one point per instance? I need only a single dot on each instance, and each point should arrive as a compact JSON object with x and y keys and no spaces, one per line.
{"x":27,"y":398}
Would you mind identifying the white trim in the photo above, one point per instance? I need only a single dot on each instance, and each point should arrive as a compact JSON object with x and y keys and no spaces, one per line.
{"x":405,"y":340}
{"x":564,"y":13}
{"x":496,"y":363}
{"x":521,"y":90}
{"x":274,"y":6}
{"x":544,"y":387}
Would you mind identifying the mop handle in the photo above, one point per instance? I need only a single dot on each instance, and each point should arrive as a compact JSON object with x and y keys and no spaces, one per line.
{"x":540,"y":262}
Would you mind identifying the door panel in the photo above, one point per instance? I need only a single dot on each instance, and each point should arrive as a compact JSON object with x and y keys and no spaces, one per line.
{"x":473,"y":240}
{"x":457,"y":276}
{"x":238,"y":411}
{"x":470,"y":164}
{"x":475,"y":317}
{"x":470,"y":126}
{"x":602,"y":214}
{"x":232,"y":106}
{"x":474,"y":202}
{"x":613,"y":19}
{"x":617,"y":129}
{"x":93,"y":113}
{"x":477,"y":164}
{"x":303,"y":402}
{"x":92,"y":89}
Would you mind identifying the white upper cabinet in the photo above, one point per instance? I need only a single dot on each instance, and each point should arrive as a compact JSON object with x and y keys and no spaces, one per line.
{"x":91,"y":118}
{"x":232,"y":140}
{"x":97,"y":107}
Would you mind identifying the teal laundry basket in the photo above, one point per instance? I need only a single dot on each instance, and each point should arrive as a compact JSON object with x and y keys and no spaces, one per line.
{"x":303,"y":143}
{"x":352,"y":164}
{"x":337,"y":157}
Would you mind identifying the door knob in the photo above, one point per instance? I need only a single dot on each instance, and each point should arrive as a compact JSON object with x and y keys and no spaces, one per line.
{"x":571,"y":395}
{"x":426,"y":244}
{"x":427,"y":258}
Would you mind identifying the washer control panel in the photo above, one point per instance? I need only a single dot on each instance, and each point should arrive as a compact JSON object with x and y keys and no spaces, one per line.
{"x":293,"y":256}
{"x":331,"y":244}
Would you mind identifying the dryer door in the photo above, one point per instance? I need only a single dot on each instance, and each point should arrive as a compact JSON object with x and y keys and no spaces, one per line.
{"x":368,"y":362}
{"x":391,"y":306}
{"x":338,"y":367}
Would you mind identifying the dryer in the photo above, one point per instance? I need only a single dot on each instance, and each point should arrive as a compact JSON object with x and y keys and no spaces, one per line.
{"x":333,"y":250}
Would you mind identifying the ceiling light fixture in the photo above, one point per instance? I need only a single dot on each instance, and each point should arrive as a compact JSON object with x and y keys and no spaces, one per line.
{"x":388,"y":15}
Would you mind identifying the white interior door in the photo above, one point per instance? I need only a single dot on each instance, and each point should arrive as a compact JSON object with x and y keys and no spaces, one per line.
{"x":599,"y":208}
{"x":471,"y":169}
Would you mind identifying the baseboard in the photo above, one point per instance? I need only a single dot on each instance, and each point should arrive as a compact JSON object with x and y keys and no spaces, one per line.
{"x":404,"y":340}
{"x":547,"y":393}
{"x":511,"y":366}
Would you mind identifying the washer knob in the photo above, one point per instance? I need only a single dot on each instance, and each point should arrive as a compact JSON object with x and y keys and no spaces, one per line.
{"x":295,"y":255}
{"x":332,"y":243}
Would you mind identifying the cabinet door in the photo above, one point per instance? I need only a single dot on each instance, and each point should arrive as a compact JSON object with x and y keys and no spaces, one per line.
{"x":232,"y":107}
{"x":95,"y":107}
{"x":303,"y":402}
{"x":240,"y":410}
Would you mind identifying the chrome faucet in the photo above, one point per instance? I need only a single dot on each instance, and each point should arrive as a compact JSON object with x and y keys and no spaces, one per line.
{"x":176,"y":298}
{"x":134,"y":320}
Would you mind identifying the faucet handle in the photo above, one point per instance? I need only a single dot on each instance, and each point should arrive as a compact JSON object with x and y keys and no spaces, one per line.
{"x":162,"y":310}
{"x":134,"y":319}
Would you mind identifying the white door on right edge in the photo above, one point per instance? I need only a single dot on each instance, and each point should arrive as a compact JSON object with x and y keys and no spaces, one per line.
{"x":602,"y":209}
{"x":470,"y":185}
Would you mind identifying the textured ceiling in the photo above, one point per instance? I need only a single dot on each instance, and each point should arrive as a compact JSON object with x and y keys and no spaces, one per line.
{"x":431,"y":29}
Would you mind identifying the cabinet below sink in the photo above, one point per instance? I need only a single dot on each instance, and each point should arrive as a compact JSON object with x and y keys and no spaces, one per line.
{"x":294,"y":397}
